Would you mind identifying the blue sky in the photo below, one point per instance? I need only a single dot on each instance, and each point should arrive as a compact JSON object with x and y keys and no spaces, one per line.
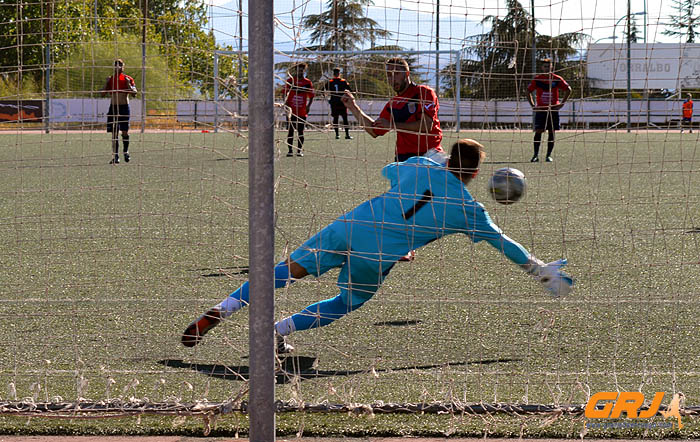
{"x":412,"y":22}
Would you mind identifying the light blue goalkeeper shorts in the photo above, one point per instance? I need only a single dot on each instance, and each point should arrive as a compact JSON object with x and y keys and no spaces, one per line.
{"x":360,"y":274}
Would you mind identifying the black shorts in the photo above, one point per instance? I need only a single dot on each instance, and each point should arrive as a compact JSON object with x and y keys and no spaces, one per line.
{"x":400,"y":157}
{"x":339,"y":111}
{"x":118,"y":118}
{"x":547,"y":120}
{"x":687,"y":119}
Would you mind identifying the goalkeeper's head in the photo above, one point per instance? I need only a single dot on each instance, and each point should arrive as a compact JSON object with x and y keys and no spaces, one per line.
{"x":465,"y":158}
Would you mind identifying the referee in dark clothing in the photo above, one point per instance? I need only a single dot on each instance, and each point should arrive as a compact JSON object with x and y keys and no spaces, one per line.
{"x":337,"y":86}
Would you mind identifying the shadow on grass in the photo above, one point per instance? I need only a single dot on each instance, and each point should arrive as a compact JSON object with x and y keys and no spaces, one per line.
{"x":225,"y":271}
{"x":405,"y":322}
{"x":302,"y":368}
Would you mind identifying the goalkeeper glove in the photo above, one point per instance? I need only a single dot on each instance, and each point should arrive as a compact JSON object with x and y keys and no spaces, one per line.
{"x":550,"y":275}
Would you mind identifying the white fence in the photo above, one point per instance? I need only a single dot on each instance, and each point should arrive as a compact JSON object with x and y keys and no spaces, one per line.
{"x":575,"y":112}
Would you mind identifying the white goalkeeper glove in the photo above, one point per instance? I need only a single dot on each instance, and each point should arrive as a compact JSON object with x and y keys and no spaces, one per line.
{"x":550,"y":275}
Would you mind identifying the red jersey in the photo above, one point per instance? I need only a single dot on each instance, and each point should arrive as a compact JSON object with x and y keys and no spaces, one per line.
{"x":688,"y":109}
{"x":408,"y":107}
{"x":547,"y":87}
{"x":297,"y":90}
{"x":121,"y":83}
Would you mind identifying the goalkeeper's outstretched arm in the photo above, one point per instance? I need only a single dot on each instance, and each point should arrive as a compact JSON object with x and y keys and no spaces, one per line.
{"x":550,"y":275}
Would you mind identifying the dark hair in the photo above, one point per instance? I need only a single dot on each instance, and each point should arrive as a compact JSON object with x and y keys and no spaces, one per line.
{"x":119,"y":61}
{"x":396,"y":62}
{"x":336,"y":70}
{"x":465,"y":158}
{"x":301,"y":66}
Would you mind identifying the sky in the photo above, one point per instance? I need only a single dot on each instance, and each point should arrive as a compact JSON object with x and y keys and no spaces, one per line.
{"x":412,"y":22}
{"x":413,"y":25}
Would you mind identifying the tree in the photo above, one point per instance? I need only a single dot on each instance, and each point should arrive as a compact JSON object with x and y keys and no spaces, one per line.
{"x":84,"y":71}
{"x":498,"y":65}
{"x":633,"y":36}
{"x":175,"y":27}
{"x":343,"y":26}
{"x":685,"y":23}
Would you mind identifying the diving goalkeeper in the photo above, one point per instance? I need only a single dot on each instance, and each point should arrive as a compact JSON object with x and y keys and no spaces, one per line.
{"x":426,"y":201}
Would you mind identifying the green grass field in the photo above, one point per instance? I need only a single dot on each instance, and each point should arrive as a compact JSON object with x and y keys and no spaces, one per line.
{"x":103,"y":267}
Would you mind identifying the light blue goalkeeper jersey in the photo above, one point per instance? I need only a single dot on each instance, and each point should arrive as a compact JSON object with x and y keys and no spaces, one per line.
{"x":426,"y":202}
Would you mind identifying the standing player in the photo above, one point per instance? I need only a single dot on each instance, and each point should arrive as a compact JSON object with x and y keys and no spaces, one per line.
{"x":337,"y":86}
{"x":413,"y":113}
{"x":119,"y":87}
{"x":299,"y":93}
{"x":687,"y":113}
{"x":546,"y":106}
{"x":426,"y":202}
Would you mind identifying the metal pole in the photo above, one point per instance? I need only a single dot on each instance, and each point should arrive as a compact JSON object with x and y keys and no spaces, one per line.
{"x":437,"y":47}
{"x":216,"y":92}
{"x":534,"y":40}
{"x":144,"y":5}
{"x":240,"y":65}
{"x":47,"y":76}
{"x":261,"y":220}
{"x":458,"y":92}
{"x":534,"y":50}
{"x":645,"y":22}
{"x":629,"y":70}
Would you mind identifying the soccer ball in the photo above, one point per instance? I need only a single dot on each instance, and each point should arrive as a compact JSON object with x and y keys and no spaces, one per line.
{"x":507,"y":185}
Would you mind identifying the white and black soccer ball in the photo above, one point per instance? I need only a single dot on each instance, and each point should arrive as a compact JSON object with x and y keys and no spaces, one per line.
{"x":507,"y":185}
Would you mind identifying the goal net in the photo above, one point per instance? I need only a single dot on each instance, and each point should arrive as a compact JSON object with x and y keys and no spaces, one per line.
{"x":105,"y":265}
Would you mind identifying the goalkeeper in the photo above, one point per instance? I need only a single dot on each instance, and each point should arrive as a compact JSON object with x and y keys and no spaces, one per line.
{"x":426,"y":202}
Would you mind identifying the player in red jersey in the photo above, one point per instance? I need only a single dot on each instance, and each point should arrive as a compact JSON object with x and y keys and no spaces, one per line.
{"x":546,"y":105}
{"x":119,"y":87}
{"x":336,"y":87}
{"x":299,"y":94}
{"x":412,"y":112}
{"x":687,"y":113}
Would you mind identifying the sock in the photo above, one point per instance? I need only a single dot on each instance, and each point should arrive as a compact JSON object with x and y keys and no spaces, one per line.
{"x":115,"y":146}
{"x":125,"y":139}
{"x":285,"y":326}
{"x":550,"y":144}
{"x":241,"y":297}
{"x":290,"y":140}
{"x":538,"y":139}
{"x":336,"y":132}
{"x":300,"y":144}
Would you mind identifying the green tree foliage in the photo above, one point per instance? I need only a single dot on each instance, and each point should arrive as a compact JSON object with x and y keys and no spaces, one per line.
{"x":175,"y":30}
{"x":684,"y":24}
{"x":498,"y":63}
{"x":633,"y":36}
{"x":83,"y":73}
{"x":343,"y":26}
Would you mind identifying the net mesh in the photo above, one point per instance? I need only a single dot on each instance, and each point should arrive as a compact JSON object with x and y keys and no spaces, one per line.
{"x":105,"y":265}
